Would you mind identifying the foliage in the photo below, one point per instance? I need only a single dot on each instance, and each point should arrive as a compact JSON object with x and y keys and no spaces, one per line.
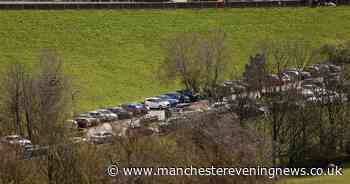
{"x":36,"y":101}
{"x":198,"y":61}
{"x":336,"y":53}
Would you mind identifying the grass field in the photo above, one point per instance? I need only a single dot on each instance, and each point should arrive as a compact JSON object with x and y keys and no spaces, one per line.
{"x":113,"y":55}
{"x":345,"y":179}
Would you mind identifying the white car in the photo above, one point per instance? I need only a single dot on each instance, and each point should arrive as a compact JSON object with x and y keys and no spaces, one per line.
{"x":17,"y":140}
{"x":156,"y":103}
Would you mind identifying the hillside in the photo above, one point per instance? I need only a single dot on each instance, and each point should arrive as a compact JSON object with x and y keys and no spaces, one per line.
{"x":113,"y":55}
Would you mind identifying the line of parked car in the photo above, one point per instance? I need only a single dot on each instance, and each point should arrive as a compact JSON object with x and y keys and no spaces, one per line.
{"x":312,"y":88}
{"x":308,"y":73}
{"x":310,"y":83}
{"x":318,"y":82}
{"x":130,"y":110}
{"x":316,"y":74}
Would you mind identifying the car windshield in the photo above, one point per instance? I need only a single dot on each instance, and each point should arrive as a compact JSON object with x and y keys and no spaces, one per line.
{"x":172,"y":95}
{"x":156,"y":100}
{"x":116,"y":110}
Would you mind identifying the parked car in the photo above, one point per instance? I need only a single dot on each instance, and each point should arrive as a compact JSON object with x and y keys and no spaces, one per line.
{"x":293,"y":74}
{"x":156,"y":103}
{"x":101,"y":137}
{"x":122,"y":113}
{"x":305,"y":75}
{"x":219,"y":105}
{"x":313,"y":81}
{"x":110,"y":116}
{"x":178,"y":96}
{"x":82,"y":122}
{"x":136,"y":108}
{"x":285,"y":78}
{"x":85,"y":122}
{"x":16,"y":140}
{"x":193,"y":97}
{"x":324,"y":68}
{"x":332,"y":76}
{"x":24,"y":146}
{"x":313,"y":70}
{"x":85,"y":115}
{"x":173,"y":102}
{"x":334,"y":68}
{"x":273,"y":80}
{"x":98,"y":115}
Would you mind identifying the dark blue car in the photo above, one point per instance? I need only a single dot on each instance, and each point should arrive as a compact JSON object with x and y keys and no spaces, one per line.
{"x":135,"y":108}
{"x":181,"y":98}
{"x":193,"y":97}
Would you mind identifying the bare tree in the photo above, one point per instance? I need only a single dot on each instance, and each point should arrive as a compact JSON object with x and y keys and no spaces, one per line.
{"x":53,"y":93}
{"x":200,"y":61}
{"x":214,"y":55}
{"x":12,"y":96}
{"x":280,"y":55}
{"x":181,"y":61}
{"x":38,"y":100}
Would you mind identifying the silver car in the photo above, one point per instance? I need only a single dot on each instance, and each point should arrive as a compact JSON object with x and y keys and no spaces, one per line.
{"x":110,"y":116}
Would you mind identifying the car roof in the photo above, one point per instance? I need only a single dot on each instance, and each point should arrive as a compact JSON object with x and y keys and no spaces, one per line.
{"x":291,"y":71}
{"x":162,"y":96}
{"x":103,"y":110}
{"x":133,"y":103}
{"x":13,"y":136}
{"x":153,"y":98}
{"x":83,"y":118}
{"x":93,"y":112}
{"x":173,"y":93}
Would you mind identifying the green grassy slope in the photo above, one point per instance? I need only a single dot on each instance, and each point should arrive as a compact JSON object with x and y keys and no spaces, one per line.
{"x":114,"y":54}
